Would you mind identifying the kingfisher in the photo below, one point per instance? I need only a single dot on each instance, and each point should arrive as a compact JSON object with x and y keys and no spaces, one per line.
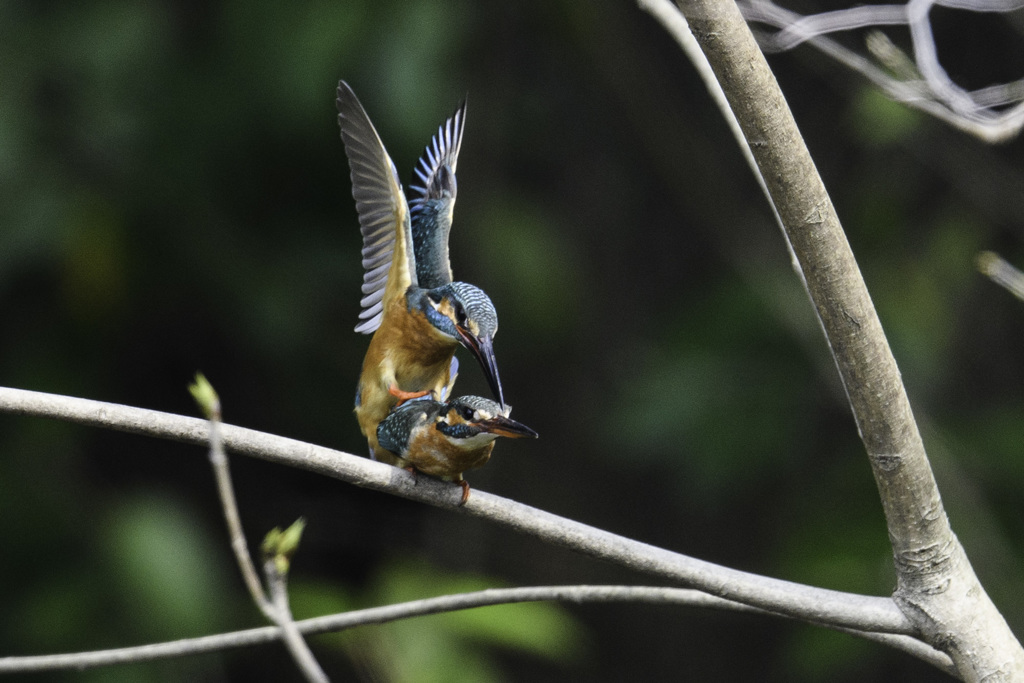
{"x":446,"y":439}
{"x":416,"y":325}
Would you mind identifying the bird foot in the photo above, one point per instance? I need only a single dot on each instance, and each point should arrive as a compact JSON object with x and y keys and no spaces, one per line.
{"x":462,"y":482}
{"x":404,"y":396}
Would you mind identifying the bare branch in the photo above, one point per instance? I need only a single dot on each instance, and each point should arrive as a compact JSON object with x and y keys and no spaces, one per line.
{"x":806,"y":603}
{"x":1002,"y":272}
{"x":289,"y":630}
{"x":929,"y":89}
{"x":446,"y":603}
{"x":807,"y":27}
{"x":229,"y":506}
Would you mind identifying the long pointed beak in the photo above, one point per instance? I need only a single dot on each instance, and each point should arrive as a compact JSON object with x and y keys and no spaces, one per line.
{"x":483,"y":349}
{"x":506,"y":426}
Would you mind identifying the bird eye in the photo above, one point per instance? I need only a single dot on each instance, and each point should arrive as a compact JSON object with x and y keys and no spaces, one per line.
{"x":460,"y":316}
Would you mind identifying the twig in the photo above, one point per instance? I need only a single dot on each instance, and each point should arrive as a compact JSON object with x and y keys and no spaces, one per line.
{"x":1002,"y":272}
{"x":806,"y":603}
{"x":275,"y":608}
{"x":290,"y":632}
{"x":406,"y":610}
{"x":229,"y":506}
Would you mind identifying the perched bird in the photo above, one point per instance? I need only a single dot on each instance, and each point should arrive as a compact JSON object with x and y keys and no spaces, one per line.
{"x":446,"y":439}
{"x":415,"y":329}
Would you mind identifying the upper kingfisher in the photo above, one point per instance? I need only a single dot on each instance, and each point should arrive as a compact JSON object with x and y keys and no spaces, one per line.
{"x":416,"y":324}
{"x":446,"y":439}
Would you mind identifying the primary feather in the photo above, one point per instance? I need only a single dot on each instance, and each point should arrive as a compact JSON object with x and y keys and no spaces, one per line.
{"x":384,"y":217}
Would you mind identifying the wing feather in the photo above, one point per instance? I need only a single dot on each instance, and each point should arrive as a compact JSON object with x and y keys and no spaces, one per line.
{"x":384,"y":218}
{"x":443,"y":150}
{"x":432,"y":201}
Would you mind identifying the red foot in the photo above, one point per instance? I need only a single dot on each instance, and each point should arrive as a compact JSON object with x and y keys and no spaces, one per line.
{"x":465,"y":492}
{"x":404,"y":396}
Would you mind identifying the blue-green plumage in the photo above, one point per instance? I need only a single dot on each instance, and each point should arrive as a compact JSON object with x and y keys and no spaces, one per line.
{"x":430,"y":228}
{"x":396,"y":430}
{"x":433,"y":201}
{"x":446,"y":439}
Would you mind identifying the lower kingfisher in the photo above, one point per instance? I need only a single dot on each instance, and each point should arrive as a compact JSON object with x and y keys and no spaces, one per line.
{"x":415,"y":329}
{"x":446,"y":439}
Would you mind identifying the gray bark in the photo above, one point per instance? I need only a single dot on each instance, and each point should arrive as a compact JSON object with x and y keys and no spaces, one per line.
{"x":937,"y":588}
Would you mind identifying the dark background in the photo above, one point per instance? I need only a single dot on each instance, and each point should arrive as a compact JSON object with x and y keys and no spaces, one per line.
{"x":174,"y":197}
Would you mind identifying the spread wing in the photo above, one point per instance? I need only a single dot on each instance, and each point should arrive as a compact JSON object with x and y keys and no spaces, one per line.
{"x":442,"y":151}
{"x":384,"y":219}
{"x":433,"y":201}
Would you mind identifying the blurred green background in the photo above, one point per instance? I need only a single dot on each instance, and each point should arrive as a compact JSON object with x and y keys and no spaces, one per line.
{"x":174,"y":197}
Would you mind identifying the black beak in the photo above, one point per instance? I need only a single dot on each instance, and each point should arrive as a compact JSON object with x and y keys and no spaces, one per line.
{"x":483,"y":349}
{"x":505,"y":426}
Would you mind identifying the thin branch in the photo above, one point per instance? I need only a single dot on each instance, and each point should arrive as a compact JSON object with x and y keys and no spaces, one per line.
{"x":289,"y":630}
{"x":1002,"y":272}
{"x":807,"y":27}
{"x":911,"y":646}
{"x":229,"y":506}
{"x":415,"y":608}
{"x":806,"y":603}
{"x":926,"y":56}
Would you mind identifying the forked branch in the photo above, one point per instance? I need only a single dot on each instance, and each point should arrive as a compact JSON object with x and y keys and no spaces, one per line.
{"x":937,"y":588}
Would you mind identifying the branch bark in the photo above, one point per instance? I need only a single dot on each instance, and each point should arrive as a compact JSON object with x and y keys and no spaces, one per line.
{"x":383,"y":614}
{"x":806,"y":603}
{"x":937,"y":588}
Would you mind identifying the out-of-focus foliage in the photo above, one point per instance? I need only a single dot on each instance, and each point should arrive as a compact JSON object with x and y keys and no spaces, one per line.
{"x":174,"y":198}
{"x":455,"y":646}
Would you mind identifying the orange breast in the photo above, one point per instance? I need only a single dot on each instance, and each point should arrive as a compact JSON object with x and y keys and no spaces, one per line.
{"x":433,"y":454}
{"x":407,"y":350}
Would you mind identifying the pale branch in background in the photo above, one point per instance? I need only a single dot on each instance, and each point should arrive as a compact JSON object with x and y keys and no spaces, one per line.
{"x":655,"y":595}
{"x":993,"y":114}
{"x":937,"y":588}
{"x":1002,"y":272}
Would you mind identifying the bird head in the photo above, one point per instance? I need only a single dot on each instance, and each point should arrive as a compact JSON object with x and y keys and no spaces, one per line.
{"x":464,"y":313}
{"x":474,"y":421}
